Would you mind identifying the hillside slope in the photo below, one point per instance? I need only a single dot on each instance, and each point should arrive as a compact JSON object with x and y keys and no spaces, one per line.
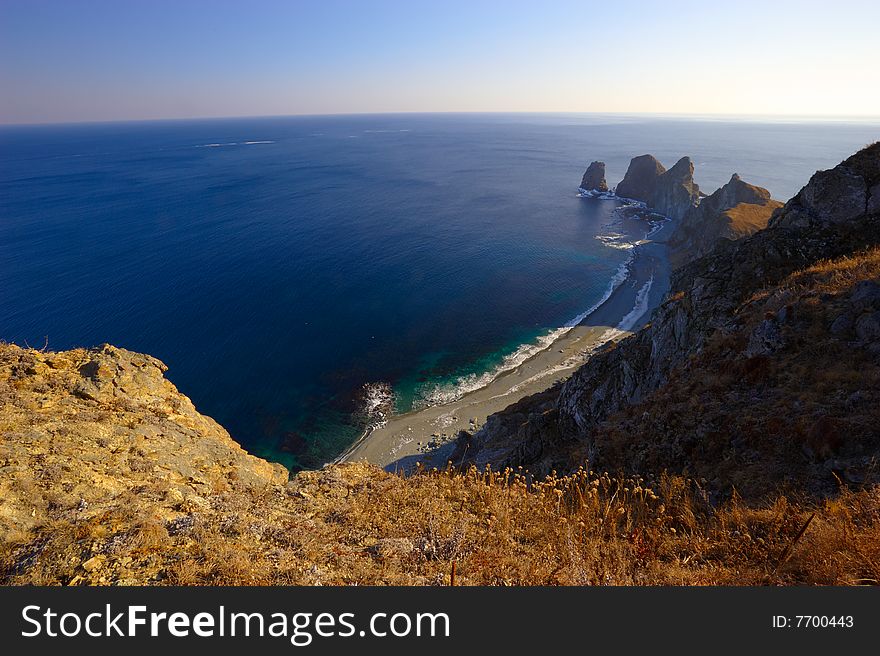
{"x":108,"y":476}
{"x":764,"y":361}
{"x":735,"y":210}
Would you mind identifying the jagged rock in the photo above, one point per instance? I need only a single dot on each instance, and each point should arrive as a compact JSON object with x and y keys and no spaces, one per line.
{"x":532,"y":419}
{"x":866,"y":294}
{"x":765,"y":339}
{"x":837,"y":195}
{"x":868,"y":327}
{"x":670,"y":193}
{"x":676,"y":192}
{"x":841,"y":325}
{"x":594,"y":178}
{"x":110,"y":420}
{"x":733,"y":211}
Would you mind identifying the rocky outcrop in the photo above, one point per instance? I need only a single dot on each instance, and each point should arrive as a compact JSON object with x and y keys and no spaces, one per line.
{"x":109,"y":420}
{"x":671,"y":193}
{"x":735,"y":210}
{"x":837,"y":196}
{"x":709,"y":329}
{"x":594,"y":178}
{"x":641,"y":178}
{"x":676,"y":192}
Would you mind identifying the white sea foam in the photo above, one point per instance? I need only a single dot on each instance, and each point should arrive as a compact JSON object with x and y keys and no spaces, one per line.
{"x":376,"y":402}
{"x":592,"y":193}
{"x":233,"y":143}
{"x":617,"y":279}
{"x":448,"y":393}
{"x":440,"y":394}
{"x":639,"y":307}
{"x":617,"y":240}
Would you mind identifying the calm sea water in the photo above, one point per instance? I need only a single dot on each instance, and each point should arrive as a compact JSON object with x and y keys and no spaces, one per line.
{"x":277,"y":265}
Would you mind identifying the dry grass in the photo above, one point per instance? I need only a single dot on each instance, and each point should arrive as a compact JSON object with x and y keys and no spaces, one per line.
{"x":748,"y":218}
{"x":355,"y":524}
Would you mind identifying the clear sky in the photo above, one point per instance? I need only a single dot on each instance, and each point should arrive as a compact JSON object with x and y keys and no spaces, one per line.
{"x":90,"y":60}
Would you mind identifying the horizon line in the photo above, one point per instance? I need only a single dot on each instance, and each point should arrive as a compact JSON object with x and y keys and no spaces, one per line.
{"x":748,"y":117}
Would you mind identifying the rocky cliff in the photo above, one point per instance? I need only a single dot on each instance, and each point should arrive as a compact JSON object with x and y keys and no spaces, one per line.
{"x":594,"y":178}
{"x":671,"y":193}
{"x":760,"y":368}
{"x":735,"y":210}
{"x":105,"y":420}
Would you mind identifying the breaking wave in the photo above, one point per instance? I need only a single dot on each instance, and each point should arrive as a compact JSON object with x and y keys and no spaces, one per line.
{"x":233,"y":143}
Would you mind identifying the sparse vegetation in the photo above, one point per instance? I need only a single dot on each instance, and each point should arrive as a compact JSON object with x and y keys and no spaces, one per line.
{"x":354,"y":524}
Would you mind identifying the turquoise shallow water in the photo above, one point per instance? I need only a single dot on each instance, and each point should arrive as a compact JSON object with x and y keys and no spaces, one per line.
{"x":277,"y":265}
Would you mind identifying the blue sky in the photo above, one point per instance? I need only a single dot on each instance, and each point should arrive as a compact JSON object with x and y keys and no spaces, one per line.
{"x":137,"y":59}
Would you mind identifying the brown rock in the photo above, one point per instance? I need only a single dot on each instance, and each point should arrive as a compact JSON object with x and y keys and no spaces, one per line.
{"x":594,"y":178}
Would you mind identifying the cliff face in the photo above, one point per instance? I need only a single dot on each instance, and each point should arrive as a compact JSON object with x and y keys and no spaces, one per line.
{"x":594,"y":177}
{"x":735,"y":210}
{"x":746,"y":374}
{"x":107,"y":420}
{"x":676,"y":192}
{"x":671,"y":193}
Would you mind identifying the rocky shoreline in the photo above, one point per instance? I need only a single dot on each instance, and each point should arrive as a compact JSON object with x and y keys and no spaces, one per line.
{"x":428,"y":435}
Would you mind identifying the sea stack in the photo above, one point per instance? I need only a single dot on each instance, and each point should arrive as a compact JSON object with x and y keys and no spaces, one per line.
{"x":676,"y":192}
{"x":641,"y":178}
{"x":736,"y":210}
{"x":594,"y":178}
{"x":671,"y":193}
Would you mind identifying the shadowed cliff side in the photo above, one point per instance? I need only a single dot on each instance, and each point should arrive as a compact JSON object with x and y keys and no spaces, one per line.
{"x":733,"y":211}
{"x":759,"y":369}
{"x":671,"y":193}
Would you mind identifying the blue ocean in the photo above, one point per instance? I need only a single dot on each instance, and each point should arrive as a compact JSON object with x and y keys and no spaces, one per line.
{"x":276,"y":265}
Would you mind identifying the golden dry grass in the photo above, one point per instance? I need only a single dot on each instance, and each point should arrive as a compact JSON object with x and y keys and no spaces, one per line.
{"x":355,"y":524}
{"x":748,"y":218}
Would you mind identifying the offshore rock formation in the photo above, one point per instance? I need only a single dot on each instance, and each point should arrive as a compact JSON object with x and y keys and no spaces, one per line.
{"x":594,"y":177}
{"x":641,"y":178}
{"x":760,"y":368}
{"x":735,"y":210}
{"x":671,"y":193}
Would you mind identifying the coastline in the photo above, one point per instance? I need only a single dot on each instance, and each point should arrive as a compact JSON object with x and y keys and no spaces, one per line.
{"x":427,"y":435}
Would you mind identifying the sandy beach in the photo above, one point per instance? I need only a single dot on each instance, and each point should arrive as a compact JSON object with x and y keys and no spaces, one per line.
{"x":427,"y":435}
